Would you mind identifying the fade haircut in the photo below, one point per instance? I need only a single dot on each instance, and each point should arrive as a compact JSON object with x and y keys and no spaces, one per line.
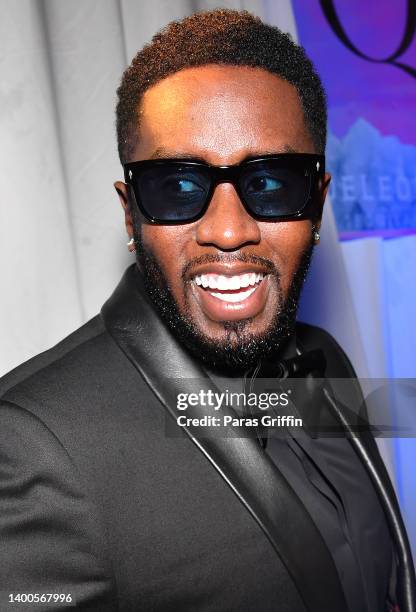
{"x":225,"y":37}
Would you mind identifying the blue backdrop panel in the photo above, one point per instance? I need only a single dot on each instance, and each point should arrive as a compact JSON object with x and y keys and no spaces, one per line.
{"x":366,"y":56}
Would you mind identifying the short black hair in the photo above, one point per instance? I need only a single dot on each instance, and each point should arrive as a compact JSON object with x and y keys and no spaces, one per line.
{"x":226,"y":37}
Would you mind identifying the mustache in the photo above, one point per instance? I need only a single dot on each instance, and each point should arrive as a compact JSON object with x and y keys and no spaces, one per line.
{"x":228,"y":258}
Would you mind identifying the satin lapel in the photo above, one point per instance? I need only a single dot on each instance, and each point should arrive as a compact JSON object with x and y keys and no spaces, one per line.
{"x":130,"y":318}
{"x":366,"y":448}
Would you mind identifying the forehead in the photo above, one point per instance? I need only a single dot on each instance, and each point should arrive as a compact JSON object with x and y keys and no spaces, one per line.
{"x":221,"y":113}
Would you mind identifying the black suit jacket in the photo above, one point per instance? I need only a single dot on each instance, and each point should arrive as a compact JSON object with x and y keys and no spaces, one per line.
{"x":98,"y":502}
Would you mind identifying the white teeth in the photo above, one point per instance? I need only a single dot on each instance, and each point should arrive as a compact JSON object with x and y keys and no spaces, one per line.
{"x":245,"y":280}
{"x":222,"y":283}
{"x":234,"y":297}
{"x":234,"y":282}
{"x":231,"y":283}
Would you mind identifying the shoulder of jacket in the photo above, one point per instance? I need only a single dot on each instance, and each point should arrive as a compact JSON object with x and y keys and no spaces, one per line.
{"x":73,"y":344}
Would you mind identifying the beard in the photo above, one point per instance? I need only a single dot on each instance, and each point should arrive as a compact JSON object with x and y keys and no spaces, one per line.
{"x":240,"y":350}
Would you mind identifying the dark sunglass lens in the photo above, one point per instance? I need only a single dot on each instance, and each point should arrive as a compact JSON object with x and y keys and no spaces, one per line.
{"x":275,"y":189}
{"x":172,"y":193}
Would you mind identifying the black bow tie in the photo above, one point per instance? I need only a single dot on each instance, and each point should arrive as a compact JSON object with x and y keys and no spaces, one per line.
{"x":311,"y":363}
{"x":309,"y":370}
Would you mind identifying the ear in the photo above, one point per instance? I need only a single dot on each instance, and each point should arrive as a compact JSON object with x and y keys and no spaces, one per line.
{"x":323,"y":190}
{"x":123,"y":194}
{"x":325,"y":185}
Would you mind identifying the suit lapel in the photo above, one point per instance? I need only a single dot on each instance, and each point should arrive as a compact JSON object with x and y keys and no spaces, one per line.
{"x":352,"y":420}
{"x":130,"y":319}
{"x":366,"y":448}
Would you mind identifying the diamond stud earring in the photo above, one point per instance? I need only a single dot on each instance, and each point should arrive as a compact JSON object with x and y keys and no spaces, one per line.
{"x":316,"y":235}
{"x":131,"y":245}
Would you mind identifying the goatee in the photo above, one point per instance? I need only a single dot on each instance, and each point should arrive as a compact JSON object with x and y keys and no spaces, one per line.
{"x":240,"y":350}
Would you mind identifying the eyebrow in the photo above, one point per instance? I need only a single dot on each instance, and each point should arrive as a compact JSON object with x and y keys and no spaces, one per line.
{"x":165,"y":153}
{"x":162,"y":153}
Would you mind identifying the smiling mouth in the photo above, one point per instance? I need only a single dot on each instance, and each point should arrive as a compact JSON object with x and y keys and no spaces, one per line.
{"x":231,"y":289}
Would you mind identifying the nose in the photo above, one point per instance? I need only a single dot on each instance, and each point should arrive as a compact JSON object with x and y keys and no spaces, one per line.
{"x":226,"y":224}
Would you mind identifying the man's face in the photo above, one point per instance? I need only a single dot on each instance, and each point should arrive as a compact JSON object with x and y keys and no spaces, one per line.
{"x":222,"y":115}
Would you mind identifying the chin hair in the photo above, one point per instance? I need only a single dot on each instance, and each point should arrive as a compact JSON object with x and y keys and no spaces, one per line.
{"x":240,"y":349}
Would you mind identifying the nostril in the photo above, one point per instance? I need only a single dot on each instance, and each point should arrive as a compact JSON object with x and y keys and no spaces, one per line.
{"x":226,"y":224}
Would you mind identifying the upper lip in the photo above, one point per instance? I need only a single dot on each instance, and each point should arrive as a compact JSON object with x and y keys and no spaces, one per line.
{"x":223,"y":269}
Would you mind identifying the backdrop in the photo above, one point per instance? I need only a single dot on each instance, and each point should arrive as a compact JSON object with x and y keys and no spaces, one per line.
{"x":62,"y":240}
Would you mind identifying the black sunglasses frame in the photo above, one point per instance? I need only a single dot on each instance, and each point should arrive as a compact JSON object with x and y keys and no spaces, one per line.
{"x":312,"y":164}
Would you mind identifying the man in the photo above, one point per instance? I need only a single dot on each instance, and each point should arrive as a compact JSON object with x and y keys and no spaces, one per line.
{"x":107,"y":503}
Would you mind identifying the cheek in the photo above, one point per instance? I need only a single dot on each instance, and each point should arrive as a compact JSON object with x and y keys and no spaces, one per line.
{"x":167,"y":243}
{"x":287,"y":241}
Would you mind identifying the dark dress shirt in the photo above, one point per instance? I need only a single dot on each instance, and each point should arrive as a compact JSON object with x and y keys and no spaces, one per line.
{"x":336,"y":490}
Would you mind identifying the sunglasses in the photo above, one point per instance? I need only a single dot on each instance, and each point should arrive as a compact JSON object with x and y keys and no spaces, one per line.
{"x":271,"y":188}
